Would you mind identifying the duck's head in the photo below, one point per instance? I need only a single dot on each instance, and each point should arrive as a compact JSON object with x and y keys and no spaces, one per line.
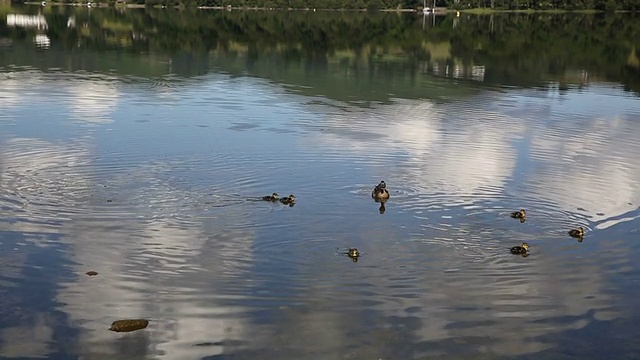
{"x":523,"y":211}
{"x":353,"y":252}
{"x":274,"y":195}
{"x":525,"y":246}
{"x":291,"y":197}
{"x":382,"y":185}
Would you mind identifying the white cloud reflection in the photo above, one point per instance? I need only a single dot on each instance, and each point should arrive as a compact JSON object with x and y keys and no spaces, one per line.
{"x":157,"y":271}
{"x":575,"y":153}
{"x":16,"y":87}
{"x":456,"y":152}
{"x":462,"y":149}
{"x":93,"y":101}
{"x":151,"y":263}
{"x":592,"y":168}
{"x":158,"y":263}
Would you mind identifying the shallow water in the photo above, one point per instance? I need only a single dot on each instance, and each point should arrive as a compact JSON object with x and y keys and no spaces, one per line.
{"x":153,"y":180}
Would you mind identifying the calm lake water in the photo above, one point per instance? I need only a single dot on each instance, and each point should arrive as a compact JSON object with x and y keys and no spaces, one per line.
{"x":134,"y":143}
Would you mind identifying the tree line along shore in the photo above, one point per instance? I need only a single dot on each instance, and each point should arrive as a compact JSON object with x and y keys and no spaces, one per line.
{"x":477,"y":6}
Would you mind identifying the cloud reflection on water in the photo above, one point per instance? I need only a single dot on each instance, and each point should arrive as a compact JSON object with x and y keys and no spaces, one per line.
{"x":93,"y":101}
{"x":430,"y":147}
{"x":90,"y":99}
{"x":479,"y":147}
{"x":12,"y":86}
{"x":153,"y":265}
{"x":589,"y":164}
{"x":573,"y":152}
{"x":191,"y":271}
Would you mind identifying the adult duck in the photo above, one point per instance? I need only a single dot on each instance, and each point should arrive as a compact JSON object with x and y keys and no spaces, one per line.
{"x":380,"y":192}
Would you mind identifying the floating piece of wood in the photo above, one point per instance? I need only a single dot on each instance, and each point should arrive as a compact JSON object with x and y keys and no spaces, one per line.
{"x":129,"y":325}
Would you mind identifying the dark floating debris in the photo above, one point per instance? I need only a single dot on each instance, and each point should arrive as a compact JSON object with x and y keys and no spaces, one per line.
{"x":129,"y":325}
{"x":92,"y":273}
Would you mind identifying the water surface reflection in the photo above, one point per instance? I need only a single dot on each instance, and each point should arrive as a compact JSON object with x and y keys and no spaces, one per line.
{"x":152,"y":183}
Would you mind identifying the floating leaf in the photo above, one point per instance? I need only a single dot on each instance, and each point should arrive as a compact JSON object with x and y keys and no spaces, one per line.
{"x":129,"y":325}
{"x":92,"y":273}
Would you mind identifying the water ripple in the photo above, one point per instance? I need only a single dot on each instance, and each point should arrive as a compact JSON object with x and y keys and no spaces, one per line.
{"x":161,"y":196}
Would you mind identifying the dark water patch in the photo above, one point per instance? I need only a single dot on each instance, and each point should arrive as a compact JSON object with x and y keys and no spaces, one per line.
{"x":33,"y":325}
{"x":222,"y":343}
{"x":243,"y":126}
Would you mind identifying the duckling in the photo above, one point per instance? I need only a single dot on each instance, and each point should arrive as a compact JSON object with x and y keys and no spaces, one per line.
{"x":273,"y":197}
{"x":577,"y":233}
{"x":524,"y":249}
{"x":519,"y":215}
{"x":289,"y":200}
{"x":380,"y":191}
{"x":353,"y":253}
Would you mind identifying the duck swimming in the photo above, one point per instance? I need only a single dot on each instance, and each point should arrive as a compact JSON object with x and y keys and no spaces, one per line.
{"x":577,"y":233}
{"x":519,"y":215}
{"x":273,"y":197}
{"x":353,"y":253}
{"x":289,"y":200}
{"x":380,"y":191}
{"x":523,"y":249}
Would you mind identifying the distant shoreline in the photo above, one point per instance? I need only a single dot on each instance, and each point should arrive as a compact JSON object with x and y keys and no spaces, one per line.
{"x":483,"y":11}
{"x":475,"y":11}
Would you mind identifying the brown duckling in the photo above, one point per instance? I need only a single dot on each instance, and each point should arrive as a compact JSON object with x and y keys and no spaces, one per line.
{"x":273,"y":197}
{"x":289,"y":200}
{"x":380,"y":192}
{"x":519,"y":215}
{"x":523,"y":249}
{"x":577,"y":233}
{"x":354,"y":254}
